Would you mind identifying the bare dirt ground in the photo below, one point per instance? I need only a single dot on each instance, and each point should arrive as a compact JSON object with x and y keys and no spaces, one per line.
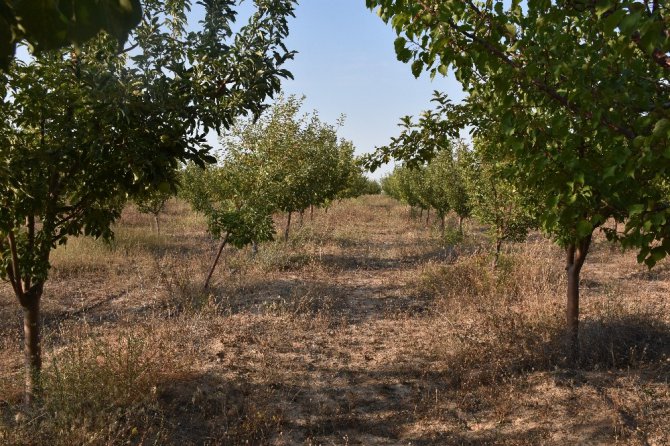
{"x":365,"y":328}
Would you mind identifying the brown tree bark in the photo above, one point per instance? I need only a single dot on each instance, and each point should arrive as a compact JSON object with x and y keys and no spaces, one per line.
{"x":443,"y":224}
{"x":288,"y":227}
{"x":216,"y":260}
{"x":311,"y":212}
{"x":427,"y":216}
{"x":496,"y":256}
{"x":32,"y":345}
{"x":575,"y":258}
{"x":460,"y":225}
{"x":158,"y":226}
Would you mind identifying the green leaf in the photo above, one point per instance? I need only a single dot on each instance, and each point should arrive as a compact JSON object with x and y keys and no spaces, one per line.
{"x":417,"y":68}
{"x":584,"y":228}
{"x":629,"y":23}
{"x":661,"y":128}
{"x":612,"y":21}
{"x":636,"y":209}
{"x":603,"y":6}
{"x":403,"y":54}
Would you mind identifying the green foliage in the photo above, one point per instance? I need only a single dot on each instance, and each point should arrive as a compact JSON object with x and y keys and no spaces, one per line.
{"x":358,"y":183}
{"x":573,"y":96}
{"x":48,"y":25}
{"x":496,"y":201}
{"x":153,"y":202}
{"x":390,"y":186}
{"x":303,"y":162}
{"x":234,"y":196}
{"x":84,"y":131}
{"x":439,"y":184}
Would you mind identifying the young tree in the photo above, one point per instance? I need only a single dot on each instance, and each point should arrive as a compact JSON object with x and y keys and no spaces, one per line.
{"x":153,"y":202}
{"x":411,"y":186}
{"x":84,"y":130}
{"x":437,"y":178}
{"x":496,"y":201}
{"x":455,"y":181}
{"x":544,"y":83}
{"x":429,"y":140}
{"x":390,"y":187}
{"x":236,"y":199}
{"x":304,"y":161}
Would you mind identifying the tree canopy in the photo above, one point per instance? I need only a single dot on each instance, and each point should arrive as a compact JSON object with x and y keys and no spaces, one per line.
{"x":573,"y":96}
{"x":84,"y":130}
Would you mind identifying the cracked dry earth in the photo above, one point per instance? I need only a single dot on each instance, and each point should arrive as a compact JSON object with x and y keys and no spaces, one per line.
{"x":345,"y":336}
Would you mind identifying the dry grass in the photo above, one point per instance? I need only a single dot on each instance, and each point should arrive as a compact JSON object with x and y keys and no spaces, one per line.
{"x":366,"y":328}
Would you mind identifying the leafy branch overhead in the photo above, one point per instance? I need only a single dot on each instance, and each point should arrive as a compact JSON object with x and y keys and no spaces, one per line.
{"x":51,"y":24}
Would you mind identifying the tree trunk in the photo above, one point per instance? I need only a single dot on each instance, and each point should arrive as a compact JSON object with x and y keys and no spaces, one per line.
{"x":496,"y":256}
{"x":576,"y":255}
{"x":427,"y":216}
{"x":443,"y":225}
{"x":254,"y":248}
{"x":32,"y":344}
{"x":158,"y":225}
{"x":216,"y":260}
{"x":311,"y":212}
{"x":460,"y":225}
{"x":420,"y":214}
{"x":288,"y":227}
{"x":301,"y":222}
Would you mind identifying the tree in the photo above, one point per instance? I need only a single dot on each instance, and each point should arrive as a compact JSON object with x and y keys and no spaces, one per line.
{"x":430,"y":140}
{"x":389,"y":184}
{"x":496,"y":201}
{"x":236,"y":199}
{"x":353,"y":182}
{"x":544,"y":84}
{"x":304,"y":161}
{"x":153,"y":202}
{"x":411,"y":186}
{"x":53,"y":25}
{"x":437,"y":179}
{"x":85,"y":130}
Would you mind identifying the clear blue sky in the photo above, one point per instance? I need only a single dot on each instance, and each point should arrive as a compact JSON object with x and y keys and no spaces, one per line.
{"x":346,"y":64}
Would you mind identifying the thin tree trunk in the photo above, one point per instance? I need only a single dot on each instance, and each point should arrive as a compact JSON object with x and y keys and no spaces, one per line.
{"x":576,"y":255}
{"x":311,"y":212}
{"x":302,"y":218}
{"x":427,"y":216}
{"x":32,"y":346}
{"x":420,"y":213}
{"x":216,"y":260}
{"x":158,"y":226}
{"x":288,"y":227}
{"x":496,"y":256}
{"x":460,"y":225}
{"x":443,"y":225}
